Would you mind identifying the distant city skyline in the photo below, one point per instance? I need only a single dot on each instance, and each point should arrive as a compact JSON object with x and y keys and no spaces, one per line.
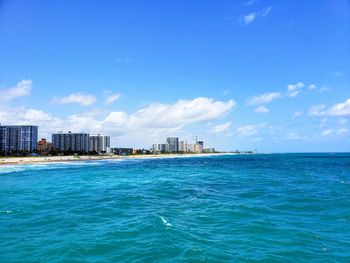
{"x":266,"y":75}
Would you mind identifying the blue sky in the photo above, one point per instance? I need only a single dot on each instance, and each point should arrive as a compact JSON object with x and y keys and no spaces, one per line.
{"x":270,"y":75}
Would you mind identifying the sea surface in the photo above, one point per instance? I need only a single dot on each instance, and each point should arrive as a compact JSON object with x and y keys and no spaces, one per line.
{"x":248,"y":208}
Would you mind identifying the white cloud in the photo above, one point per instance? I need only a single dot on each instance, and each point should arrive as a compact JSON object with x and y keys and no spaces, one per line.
{"x":340,"y":109}
{"x":262,"y":109}
{"x":342,"y":131}
{"x":85,"y":122}
{"x":221,"y":128}
{"x":139,"y":128}
{"x":35,"y":116}
{"x":317,"y":110}
{"x":21,"y":116}
{"x":78,"y":98}
{"x":248,"y":130}
{"x":160,"y":120}
{"x":247,"y":19}
{"x":22,"y":88}
{"x":172,"y":115}
{"x":295,"y":89}
{"x":264,"y":98}
{"x":117,"y":118}
{"x":327,"y":132}
{"x":312,"y":87}
{"x":111,"y":98}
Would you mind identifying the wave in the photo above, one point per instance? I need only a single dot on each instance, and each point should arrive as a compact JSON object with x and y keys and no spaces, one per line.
{"x":13,"y":168}
{"x":165,"y":222}
{"x":6,"y":211}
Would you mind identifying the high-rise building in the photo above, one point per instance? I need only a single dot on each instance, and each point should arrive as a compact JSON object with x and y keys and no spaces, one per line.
{"x":173,"y":143}
{"x":160,"y":147}
{"x":190,"y":148}
{"x":75,"y":142}
{"x":18,"y":138}
{"x":99,"y":143}
{"x":183,"y":146}
{"x":198,"y":147}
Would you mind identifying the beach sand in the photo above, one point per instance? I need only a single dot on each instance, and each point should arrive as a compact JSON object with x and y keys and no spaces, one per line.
{"x":47,"y":159}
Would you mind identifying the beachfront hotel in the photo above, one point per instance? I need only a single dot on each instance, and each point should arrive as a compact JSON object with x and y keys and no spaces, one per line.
{"x":74,"y":142}
{"x":15,"y":138}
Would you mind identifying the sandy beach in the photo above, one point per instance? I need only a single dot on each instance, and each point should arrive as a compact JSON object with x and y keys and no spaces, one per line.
{"x":72,"y":158}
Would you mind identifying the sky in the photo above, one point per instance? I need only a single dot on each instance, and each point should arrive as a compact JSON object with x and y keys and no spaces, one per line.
{"x":251,"y":74}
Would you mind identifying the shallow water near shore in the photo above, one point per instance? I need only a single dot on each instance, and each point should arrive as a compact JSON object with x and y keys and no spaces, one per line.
{"x":249,"y":208}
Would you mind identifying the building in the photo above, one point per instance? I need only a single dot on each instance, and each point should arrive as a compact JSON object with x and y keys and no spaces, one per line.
{"x":99,"y":143}
{"x":44,"y":147}
{"x":72,"y":142}
{"x":198,"y":147}
{"x":183,"y":146}
{"x":141,"y":151}
{"x":190,"y":148}
{"x":160,"y":147}
{"x":173,"y":143}
{"x":14,"y":138}
{"x":122,"y":151}
{"x":209,"y":150}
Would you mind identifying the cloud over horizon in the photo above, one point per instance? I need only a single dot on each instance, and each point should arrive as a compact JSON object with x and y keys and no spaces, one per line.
{"x":22,"y":88}
{"x":145,"y":124}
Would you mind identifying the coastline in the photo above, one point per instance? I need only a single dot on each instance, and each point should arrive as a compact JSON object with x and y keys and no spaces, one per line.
{"x":72,"y":158}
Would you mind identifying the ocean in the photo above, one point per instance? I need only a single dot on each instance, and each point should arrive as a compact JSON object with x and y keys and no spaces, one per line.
{"x":244,"y":208}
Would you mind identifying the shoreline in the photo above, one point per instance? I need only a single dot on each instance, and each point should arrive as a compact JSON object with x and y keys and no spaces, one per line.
{"x":72,"y":158}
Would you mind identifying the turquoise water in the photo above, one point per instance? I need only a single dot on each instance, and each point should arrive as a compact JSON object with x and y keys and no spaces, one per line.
{"x":253,"y":208}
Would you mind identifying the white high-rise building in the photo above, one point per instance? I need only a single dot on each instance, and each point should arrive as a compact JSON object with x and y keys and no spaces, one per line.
{"x":198,"y":147}
{"x":190,"y":148}
{"x":183,"y":146}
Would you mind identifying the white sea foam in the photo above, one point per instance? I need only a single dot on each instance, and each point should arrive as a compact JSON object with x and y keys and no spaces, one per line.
{"x":6,"y":211}
{"x":11,"y":168}
{"x":7,"y":168}
{"x":166,"y":223}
